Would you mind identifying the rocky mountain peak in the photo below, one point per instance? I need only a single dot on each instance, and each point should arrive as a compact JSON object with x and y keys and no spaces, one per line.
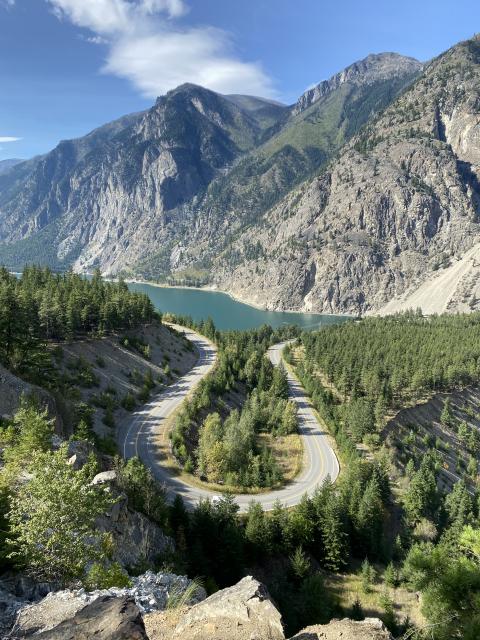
{"x":376,"y":67}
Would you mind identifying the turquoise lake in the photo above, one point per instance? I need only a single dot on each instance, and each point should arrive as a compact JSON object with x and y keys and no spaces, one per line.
{"x":226,"y":312}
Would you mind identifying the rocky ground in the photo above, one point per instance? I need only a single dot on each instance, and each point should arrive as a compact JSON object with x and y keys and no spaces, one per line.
{"x":151,"y":610}
{"x":118,"y":365}
{"x":94,"y":371}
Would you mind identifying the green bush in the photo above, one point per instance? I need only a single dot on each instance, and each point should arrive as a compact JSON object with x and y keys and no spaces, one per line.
{"x":105,"y":576}
{"x":128,"y":402}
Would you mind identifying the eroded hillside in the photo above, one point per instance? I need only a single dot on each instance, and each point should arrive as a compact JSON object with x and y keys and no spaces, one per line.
{"x":399,"y":204}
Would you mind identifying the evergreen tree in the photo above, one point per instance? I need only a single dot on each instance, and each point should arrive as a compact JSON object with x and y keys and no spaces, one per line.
{"x":391,"y":576}
{"x":356,"y":612}
{"x":369,"y":519}
{"x":368,"y":576}
{"x":279,"y":386}
{"x":257,"y":532}
{"x":300,"y":564}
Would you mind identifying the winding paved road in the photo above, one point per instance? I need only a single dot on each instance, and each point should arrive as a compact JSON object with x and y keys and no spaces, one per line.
{"x":139,"y":436}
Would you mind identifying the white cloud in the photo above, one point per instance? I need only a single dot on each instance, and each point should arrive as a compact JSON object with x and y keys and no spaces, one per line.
{"x":7,"y":4}
{"x":9,"y":139}
{"x":149,"y":48}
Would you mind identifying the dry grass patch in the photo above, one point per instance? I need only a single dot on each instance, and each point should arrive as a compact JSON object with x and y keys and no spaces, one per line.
{"x":287,"y":452}
{"x":347,"y":587}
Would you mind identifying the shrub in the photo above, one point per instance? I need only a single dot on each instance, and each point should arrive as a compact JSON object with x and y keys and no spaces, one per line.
{"x":101,"y":576}
{"x":128,"y":402}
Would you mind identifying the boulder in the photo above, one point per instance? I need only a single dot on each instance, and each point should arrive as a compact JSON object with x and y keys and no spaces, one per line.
{"x":54,"y":609}
{"x":105,"y":477}
{"x":243,"y":612}
{"x":149,"y":591}
{"x":368,"y":629}
{"x":107,"y":618}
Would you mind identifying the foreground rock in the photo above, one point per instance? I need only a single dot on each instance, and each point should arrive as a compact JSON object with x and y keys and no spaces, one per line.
{"x":244,"y":612}
{"x":166,"y":607}
{"x":107,"y":618}
{"x":150,"y":592}
{"x":368,"y":629}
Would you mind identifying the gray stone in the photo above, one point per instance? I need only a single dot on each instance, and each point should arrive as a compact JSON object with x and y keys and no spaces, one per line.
{"x":243,"y":612}
{"x":150,"y":592}
{"x":106,"y":618}
{"x":368,"y":629}
{"x":105,"y":477}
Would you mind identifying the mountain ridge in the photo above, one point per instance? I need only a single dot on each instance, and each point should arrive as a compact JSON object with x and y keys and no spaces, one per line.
{"x":401,"y":199}
{"x":215,"y":187}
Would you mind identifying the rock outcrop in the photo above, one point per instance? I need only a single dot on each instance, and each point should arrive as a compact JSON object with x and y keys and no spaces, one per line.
{"x":137,"y":539}
{"x":374,"y":68}
{"x":242,"y":612}
{"x":368,"y":629}
{"x":149,"y":592}
{"x":166,"y":607}
{"x":106,"y":618}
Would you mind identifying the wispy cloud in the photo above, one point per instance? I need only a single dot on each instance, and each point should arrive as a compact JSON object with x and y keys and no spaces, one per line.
{"x":148,"y":46}
{"x":7,"y":4}
{"x":9,"y":139}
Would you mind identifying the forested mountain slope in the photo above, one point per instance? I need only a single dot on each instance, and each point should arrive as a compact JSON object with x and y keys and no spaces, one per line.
{"x":303,"y":139}
{"x":399,"y":203}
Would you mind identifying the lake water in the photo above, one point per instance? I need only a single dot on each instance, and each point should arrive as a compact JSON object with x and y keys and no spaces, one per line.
{"x":226,"y":312}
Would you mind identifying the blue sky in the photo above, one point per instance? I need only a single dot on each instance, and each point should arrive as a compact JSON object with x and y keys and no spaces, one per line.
{"x":67,"y":66}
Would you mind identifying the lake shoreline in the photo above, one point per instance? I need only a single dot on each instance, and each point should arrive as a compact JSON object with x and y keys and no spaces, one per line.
{"x":233,"y":297}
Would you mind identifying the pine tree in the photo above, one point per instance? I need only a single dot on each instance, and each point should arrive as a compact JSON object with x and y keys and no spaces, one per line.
{"x":446,"y":416}
{"x":368,"y":576}
{"x":333,"y":536}
{"x":300,"y":563}
{"x":391,"y":575}
{"x":356,"y":612}
{"x":279,"y":386}
{"x":257,"y":532}
{"x":369,"y":518}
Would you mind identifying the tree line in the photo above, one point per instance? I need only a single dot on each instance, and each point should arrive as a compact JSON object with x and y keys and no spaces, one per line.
{"x":399,"y":357}
{"x":40,"y":306}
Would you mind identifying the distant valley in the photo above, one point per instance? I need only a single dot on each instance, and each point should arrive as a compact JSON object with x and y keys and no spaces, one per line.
{"x":358,"y":196}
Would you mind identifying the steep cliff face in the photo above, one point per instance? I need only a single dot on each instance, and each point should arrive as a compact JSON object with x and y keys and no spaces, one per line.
{"x":106,"y":199}
{"x":167,"y":189}
{"x":401,"y":203}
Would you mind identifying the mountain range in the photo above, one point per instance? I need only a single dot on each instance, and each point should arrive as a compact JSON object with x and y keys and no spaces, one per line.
{"x":361,"y":197}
